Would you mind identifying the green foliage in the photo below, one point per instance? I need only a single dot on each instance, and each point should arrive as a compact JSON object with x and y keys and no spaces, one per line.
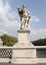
{"x":8,"y":40}
{"x":40,"y":42}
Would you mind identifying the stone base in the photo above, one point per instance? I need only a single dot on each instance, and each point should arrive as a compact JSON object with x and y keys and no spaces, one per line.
{"x":29,"y":61}
{"x":23,"y":51}
{"x":24,"y":61}
{"x":24,"y":55}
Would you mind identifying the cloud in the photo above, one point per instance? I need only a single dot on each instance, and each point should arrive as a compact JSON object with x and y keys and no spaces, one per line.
{"x":35,"y":19}
{"x":8,"y":18}
{"x":38,"y":34}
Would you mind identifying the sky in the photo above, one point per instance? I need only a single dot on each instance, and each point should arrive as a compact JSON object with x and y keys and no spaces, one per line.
{"x":10,"y":22}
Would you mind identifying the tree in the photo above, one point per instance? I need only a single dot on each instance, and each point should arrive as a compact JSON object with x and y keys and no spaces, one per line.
{"x":8,"y":40}
{"x":40,"y":42}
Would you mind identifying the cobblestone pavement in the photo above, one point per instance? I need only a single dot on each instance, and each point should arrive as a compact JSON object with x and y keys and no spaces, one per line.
{"x":19,"y":64}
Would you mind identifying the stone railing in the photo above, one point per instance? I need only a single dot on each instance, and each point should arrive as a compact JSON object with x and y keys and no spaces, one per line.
{"x":5,"y":54}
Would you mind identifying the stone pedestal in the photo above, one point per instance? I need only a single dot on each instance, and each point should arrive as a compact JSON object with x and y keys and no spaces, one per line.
{"x":23,"y":39}
{"x":23,"y":51}
{"x":23,"y":36}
